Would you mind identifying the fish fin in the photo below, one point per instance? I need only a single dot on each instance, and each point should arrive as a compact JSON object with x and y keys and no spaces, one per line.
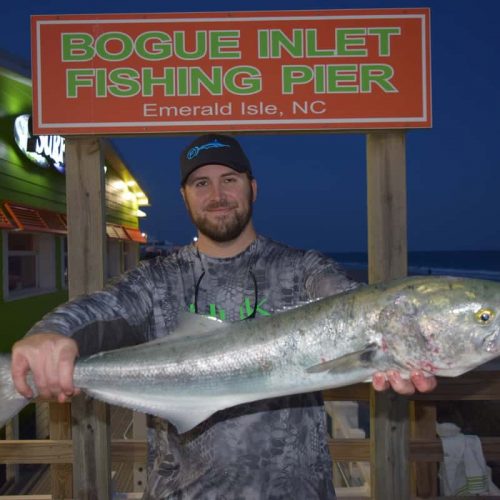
{"x":190,"y":324}
{"x":360,"y":358}
{"x":11,"y":402}
{"x":184,"y":413}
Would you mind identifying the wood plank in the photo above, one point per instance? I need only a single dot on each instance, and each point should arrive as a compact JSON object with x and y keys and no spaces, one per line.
{"x":386,"y":183}
{"x":423,"y":426}
{"x":387,"y":260}
{"x":85,"y":191}
{"x":92,"y":448}
{"x":349,"y":450}
{"x":425,"y":451}
{"x":131,"y":450}
{"x":140,"y":471}
{"x":61,"y":480}
{"x":86,"y":205}
{"x":12,"y":433}
{"x":476,"y":385}
{"x":390,"y":449}
{"x":355,"y":392}
{"x":26,"y":497}
{"x":36,"y":451}
{"x":44,"y":451}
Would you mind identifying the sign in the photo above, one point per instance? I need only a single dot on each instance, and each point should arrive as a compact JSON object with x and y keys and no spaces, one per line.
{"x":241,"y":71}
{"x":44,"y":150}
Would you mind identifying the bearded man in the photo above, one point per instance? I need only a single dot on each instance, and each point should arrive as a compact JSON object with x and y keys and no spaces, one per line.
{"x":270,"y":449}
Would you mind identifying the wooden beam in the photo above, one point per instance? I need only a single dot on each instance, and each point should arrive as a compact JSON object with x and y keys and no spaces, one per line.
{"x":139,"y":431}
{"x":12,"y":432}
{"x":477,"y":385}
{"x":61,"y":474}
{"x":473,"y":386}
{"x":44,"y":451}
{"x":423,"y":427}
{"x":85,"y":191}
{"x":355,"y":392}
{"x":386,"y":183}
{"x":387,"y":260}
{"x":421,"y":450}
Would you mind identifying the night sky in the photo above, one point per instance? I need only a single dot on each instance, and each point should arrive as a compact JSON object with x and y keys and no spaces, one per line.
{"x":312,"y":187}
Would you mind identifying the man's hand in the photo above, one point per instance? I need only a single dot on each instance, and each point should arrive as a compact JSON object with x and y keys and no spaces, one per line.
{"x":51,"y":359}
{"x":381,"y":381}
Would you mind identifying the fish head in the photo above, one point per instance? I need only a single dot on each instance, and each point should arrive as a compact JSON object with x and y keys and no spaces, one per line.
{"x":441,"y":325}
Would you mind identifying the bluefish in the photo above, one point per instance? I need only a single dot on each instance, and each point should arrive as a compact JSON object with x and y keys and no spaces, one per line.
{"x":444,"y":326}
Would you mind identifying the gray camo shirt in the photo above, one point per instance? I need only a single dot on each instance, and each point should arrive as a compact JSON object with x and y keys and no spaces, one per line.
{"x":269,"y":449}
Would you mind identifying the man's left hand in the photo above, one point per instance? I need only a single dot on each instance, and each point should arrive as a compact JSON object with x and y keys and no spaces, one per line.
{"x":417,"y":382}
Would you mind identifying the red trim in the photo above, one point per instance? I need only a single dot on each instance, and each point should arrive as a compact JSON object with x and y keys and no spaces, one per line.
{"x":55,"y":221}
{"x":135,"y":234}
{"x":33,"y":219}
{"x":4,"y":222}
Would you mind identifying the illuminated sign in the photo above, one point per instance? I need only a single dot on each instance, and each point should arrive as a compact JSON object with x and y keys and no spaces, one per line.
{"x":44,"y":150}
{"x":239,"y":71}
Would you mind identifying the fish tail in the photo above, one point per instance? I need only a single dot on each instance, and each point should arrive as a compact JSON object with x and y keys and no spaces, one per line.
{"x":11,"y":402}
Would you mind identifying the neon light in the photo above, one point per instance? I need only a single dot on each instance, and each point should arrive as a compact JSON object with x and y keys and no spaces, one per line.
{"x":47,"y":151}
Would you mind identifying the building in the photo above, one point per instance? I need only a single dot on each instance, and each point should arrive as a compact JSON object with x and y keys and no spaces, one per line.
{"x":33,"y":225}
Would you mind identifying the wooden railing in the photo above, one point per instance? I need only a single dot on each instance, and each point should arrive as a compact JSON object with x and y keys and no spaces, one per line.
{"x":425,"y":448}
{"x":473,"y":386}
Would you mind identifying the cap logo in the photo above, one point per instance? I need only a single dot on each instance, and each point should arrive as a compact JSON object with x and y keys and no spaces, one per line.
{"x":194,"y":151}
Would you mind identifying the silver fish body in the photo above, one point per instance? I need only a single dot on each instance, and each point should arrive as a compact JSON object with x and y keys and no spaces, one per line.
{"x":442,"y":326}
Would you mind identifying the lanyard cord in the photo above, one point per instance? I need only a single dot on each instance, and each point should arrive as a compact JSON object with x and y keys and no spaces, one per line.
{"x":202,"y":275}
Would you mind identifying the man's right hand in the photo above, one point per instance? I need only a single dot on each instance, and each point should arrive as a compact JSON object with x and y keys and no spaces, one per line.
{"x":51,"y":359}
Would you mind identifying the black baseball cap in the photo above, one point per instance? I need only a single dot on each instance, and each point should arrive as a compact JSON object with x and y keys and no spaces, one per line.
{"x":214,"y":149}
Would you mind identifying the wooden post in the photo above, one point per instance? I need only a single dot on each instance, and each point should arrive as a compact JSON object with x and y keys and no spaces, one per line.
{"x":387,"y":259}
{"x":11,"y":433}
{"x":139,"y":430}
{"x":85,"y":191}
{"x":61,"y":484}
{"x":423,"y":426}
{"x":386,"y":178}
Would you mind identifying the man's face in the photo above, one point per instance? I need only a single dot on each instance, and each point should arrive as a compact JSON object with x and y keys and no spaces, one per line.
{"x":219,"y":201}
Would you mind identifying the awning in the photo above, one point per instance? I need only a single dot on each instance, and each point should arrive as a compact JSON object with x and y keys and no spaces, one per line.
{"x":34,"y":219}
{"x":39,"y":220}
{"x":135,"y":234}
{"x":116,"y":232}
{"x":4,"y":222}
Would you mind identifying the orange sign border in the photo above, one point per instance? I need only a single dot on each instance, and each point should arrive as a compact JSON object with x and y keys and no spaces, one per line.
{"x":43,"y":126}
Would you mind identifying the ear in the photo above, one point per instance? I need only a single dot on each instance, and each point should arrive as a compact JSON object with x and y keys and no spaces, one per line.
{"x":254,"y":189}
{"x":183,"y":194}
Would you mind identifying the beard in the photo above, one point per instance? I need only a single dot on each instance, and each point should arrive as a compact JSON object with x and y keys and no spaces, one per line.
{"x":228,"y":227}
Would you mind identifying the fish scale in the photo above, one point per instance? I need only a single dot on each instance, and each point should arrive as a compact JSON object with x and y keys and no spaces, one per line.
{"x":444,"y":326}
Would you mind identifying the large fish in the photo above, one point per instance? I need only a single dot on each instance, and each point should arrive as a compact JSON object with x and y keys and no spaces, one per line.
{"x":441,"y":325}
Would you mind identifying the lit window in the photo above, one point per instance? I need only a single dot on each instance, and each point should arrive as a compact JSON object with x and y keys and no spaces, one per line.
{"x":21,"y":262}
{"x":130,"y":254}
{"x":30,"y":263}
{"x":115,"y":255}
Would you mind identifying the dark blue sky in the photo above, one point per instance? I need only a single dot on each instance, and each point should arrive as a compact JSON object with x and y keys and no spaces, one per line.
{"x":312,"y":187}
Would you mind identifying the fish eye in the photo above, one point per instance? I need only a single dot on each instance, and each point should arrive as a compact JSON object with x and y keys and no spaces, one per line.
{"x":484,"y":316}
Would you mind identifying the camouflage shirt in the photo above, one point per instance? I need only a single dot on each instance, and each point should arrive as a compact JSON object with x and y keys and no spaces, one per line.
{"x":269,"y":449}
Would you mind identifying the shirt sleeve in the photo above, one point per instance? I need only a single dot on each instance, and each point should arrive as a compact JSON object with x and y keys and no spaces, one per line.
{"x":324,"y":276}
{"x":119,"y":315}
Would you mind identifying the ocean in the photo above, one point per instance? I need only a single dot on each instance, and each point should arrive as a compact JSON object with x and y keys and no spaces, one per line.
{"x":482,"y":264}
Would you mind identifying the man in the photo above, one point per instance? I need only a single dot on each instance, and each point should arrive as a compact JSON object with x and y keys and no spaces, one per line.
{"x":266,"y":449}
